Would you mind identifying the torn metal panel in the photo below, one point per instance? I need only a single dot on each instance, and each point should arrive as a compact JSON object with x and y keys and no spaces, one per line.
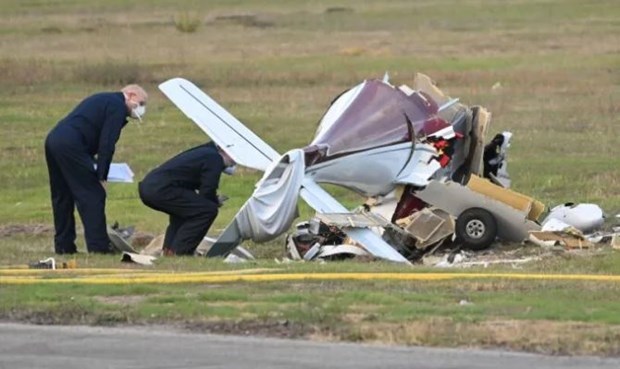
{"x":359,"y":220}
{"x":377,"y":115}
{"x":339,"y":250}
{"x":421,"y":167}
{"x":423,"y":83}
{"x":421,"y":224}
{"x":226,"y":242}
{"x":480,"y":122}
{"x":531,"y":207}
{"x":384,"y":205}
{"x":118,"y":242}
{"x":323,"y":202}
{"x":454,"y":198}
{"x":433,"y":225}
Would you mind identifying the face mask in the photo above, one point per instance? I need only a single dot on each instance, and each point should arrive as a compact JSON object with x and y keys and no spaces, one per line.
{"x":138,"y":112}
{"x":230,"y":170}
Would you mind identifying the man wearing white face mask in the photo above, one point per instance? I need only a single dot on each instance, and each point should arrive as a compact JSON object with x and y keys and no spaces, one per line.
{"x":185,"y":188}
{"x":86,"y":138}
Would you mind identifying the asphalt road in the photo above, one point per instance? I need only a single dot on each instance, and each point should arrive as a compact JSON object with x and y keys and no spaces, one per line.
{"x":25,"y":346}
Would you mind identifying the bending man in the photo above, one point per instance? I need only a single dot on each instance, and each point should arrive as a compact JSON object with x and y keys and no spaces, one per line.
{"x":185,"y":188}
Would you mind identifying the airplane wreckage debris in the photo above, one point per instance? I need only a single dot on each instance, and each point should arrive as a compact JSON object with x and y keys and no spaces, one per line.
{"x":416,"y":154}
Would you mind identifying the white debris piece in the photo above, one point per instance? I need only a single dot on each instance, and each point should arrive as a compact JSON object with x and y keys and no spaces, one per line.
{"x":334,"y":250}
{"x":130,"y":257}
{"x":554,"y":225}
{"x":584,"y":217}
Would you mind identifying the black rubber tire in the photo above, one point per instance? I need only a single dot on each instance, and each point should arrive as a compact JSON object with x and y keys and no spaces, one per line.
{"x":476,"y":228}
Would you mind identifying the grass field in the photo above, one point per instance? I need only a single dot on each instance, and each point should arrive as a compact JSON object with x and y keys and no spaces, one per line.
{"x":276,"y":66}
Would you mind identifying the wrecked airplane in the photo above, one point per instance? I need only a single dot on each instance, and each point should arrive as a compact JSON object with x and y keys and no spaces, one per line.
{"x":416,"y":154}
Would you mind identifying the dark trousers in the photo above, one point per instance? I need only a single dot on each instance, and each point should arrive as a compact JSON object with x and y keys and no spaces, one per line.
{"x":191,"y":215}
{"x":73,"y":181}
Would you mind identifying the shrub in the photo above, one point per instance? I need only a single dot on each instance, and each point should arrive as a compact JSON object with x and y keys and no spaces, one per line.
{"x":186,"y":23}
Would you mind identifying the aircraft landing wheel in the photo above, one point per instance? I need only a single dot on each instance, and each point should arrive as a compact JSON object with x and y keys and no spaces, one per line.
{"x":476,"y":228}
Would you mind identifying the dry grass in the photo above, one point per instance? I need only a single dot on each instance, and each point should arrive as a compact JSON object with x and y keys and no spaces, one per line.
{"x":112,"y":73}
{"x":546,"y":337}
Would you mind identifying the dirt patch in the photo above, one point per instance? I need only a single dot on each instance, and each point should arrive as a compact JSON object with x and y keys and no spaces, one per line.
{"x":10,"y":230}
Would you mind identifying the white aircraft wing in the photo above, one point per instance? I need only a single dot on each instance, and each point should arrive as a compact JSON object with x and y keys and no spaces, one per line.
{"x":243,"y":146}
{"x":321,"y":201}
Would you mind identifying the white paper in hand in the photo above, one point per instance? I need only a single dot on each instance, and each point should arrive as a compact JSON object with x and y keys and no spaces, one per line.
{"x":119,"y":172}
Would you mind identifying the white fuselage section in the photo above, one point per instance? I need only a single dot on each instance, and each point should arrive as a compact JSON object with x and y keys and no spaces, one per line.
{"x":378,"y":171}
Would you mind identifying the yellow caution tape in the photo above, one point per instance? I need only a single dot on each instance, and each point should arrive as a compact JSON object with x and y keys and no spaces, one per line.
{"x":103,"y":272}
{"x":22,"y":271}
{"x":219,"y":277}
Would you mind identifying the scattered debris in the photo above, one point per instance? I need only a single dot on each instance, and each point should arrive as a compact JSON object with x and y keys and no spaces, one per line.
{"x":119,"y":237}
{"x":468,"y":259}
{"x":566,"y":226}
{"x":50,"y":263}
{"x":130,"y":257}
{"x":240,"y":254}
{"x":570,"y":240}
{"x":321,"y":238}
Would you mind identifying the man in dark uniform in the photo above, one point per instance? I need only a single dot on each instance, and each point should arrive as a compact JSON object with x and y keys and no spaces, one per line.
{"x":185,"y":188}
{"x":92,"y":128}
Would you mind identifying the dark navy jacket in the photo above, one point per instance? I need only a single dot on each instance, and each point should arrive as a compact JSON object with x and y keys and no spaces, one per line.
{"x":198,"y":168}
{"x":99,"y":119}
